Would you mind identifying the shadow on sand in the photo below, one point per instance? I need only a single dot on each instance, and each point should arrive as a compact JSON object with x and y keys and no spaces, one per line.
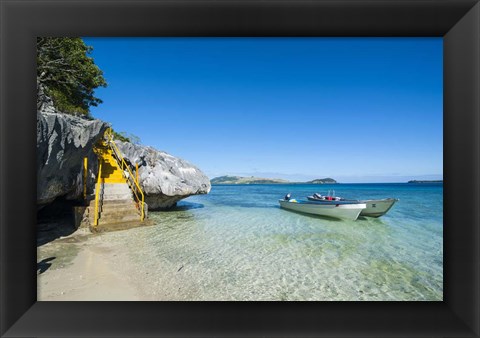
{"x":44,"y":264}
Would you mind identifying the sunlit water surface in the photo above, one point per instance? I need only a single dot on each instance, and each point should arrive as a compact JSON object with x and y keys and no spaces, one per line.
{"x":237,"y":244}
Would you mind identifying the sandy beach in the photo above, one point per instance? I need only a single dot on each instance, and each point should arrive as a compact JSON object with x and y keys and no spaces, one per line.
{"x":80,"y":267}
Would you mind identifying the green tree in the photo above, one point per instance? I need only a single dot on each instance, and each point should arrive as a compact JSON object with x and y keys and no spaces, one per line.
{"x":68,"y":74}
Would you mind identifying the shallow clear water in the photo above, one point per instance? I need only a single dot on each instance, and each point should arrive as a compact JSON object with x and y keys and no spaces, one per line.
{"x":237,"y":244}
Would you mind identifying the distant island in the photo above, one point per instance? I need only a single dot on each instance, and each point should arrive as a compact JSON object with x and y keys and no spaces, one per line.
{"x":245,"y":180}
{"x":259,"y":180}
{"x":327,"y":180}
{"x":426,"y":181}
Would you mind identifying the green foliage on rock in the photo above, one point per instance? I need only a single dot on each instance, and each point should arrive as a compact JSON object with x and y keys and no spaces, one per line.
{"x":126,"y":137}
{"x":120,"y":136}
{"x":68,"y":74}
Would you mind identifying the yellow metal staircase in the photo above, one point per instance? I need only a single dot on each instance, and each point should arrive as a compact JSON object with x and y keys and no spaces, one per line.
{"x":111,"y":171}
{"x":118,"y":196}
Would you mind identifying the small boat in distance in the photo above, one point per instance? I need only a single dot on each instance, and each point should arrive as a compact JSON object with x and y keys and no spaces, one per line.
{"x":375,"y":208}
{"x":349,"y":210}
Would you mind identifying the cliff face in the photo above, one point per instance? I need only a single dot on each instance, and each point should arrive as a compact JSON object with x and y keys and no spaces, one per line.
{"x":64,"y":140}
{"x":62,"y":143}
{"x":165,"y":179}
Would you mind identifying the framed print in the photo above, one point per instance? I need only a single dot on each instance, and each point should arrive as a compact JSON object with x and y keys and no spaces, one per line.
{"x":451,"y":309}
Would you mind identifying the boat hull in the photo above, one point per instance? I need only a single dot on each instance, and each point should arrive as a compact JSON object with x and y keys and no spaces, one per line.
{"x":375,"y":208}
{"x":340,"y":211}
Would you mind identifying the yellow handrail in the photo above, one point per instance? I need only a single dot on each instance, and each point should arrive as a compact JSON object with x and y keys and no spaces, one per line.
{"x":140,"y":199}
{"x":85,"y":167}
{"x":136,"y":171}
{"x":97,"y":192}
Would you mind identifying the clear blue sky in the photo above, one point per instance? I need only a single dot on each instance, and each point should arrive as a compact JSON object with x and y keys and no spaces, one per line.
{"x":355,"y":109}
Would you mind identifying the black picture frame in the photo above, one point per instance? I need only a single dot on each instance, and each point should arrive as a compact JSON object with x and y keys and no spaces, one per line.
{"x":457,"y":21}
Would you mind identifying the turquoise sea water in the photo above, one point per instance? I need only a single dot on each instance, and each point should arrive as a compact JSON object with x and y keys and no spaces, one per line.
{"x":237,"y":244}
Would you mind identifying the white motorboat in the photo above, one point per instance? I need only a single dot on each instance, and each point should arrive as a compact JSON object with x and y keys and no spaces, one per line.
{"x":375,"y":208}
{"x":349,"y":211}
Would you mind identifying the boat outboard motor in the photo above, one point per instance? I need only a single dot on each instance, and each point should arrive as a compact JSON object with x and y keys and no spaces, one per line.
{"x":287,"y":197}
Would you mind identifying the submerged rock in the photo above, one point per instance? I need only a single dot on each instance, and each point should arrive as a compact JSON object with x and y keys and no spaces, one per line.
{"x":164,"y":179}
{"x":62,"y":143}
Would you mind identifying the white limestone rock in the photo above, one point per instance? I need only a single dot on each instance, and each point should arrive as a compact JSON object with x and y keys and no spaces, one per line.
{"x":62,"y":143}
{"x":165,"y":179}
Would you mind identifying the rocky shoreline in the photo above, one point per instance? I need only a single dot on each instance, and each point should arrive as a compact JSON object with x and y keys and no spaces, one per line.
{"x":63,"y":141}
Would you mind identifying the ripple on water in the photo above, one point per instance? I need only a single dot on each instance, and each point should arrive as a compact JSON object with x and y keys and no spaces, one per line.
{"x":220,"y":247}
